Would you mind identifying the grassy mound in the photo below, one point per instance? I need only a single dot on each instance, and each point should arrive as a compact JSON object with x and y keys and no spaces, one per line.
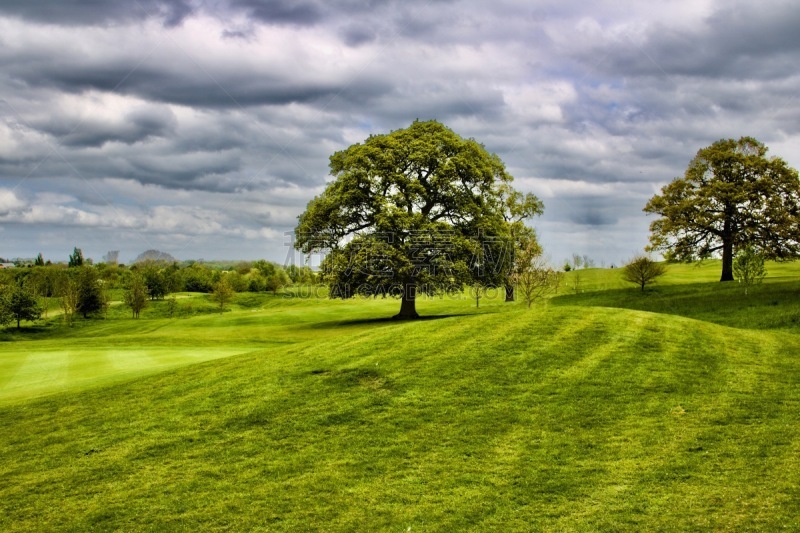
{"x":574,"y":416}
{"x":691,"y":291}
{"x":602,"y":409}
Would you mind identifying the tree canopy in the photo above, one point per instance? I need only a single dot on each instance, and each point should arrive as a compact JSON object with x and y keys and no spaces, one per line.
{"x":89,"y":292}
{"x":18,"y":303}
{"x":136,"y":294}
{"x":732,"y":195}
{"x":410,"y":211}
{"x":76,"y":258}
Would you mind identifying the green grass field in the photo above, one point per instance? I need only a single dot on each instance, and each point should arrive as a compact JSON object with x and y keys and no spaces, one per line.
{"x":600,"y":409}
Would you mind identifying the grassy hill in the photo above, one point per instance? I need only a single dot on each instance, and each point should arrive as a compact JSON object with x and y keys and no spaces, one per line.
{"x":693,"y":291}
{"x":602,"y":409}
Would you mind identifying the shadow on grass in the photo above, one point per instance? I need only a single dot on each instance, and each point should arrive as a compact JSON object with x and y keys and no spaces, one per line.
{"x":768,"y":306}
{"x":27,"y":332}
{"x":330,"y":324}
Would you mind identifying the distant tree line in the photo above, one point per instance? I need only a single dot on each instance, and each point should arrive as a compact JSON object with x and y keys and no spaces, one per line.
{"x":81,"y":288}
{"x":577,"y":262}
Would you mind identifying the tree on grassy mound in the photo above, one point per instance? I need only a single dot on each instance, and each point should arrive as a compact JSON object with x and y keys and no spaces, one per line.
{"x":732,"y":195}
{"x":642,"y":271}
{"x":406,"y":214}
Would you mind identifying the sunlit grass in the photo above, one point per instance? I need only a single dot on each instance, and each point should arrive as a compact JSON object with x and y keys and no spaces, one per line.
{"x":602,"y":410}
{"x":774,"y":304}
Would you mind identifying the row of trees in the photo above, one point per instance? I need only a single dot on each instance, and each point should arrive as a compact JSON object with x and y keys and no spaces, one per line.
{"x":27,"y":297}
{"x":27,"y":293}
{"x":578,"y":261}
{"x":137,"y":294}
{"x":162,"y":279}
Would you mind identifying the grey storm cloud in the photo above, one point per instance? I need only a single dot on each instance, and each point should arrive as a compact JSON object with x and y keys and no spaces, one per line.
{"x":133,"y":127}
{"x":302,"y":13}
{"x":174,"y":12}
{"x":358,"y":35}
{"x":587,"y":210}
{"x":192,"y":87}
{"x":741,"y":41}
{"x":206,"y":125}
{"x":96,"y":12}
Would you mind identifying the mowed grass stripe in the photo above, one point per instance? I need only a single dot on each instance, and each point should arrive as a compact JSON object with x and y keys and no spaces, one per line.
{"x":434,"y":433}
{"x":684,"y":438}
{"x":565,"y":418}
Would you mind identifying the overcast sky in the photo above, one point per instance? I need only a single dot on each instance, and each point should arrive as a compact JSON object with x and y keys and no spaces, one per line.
{"x":203,"y":127}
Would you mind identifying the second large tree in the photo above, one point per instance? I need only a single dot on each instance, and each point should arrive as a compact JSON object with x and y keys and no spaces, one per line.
{"x":731,"y":195}
{"x":416,"y":210}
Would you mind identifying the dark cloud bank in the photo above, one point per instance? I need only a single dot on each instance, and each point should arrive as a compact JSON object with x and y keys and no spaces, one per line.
{"x":203,"y":128}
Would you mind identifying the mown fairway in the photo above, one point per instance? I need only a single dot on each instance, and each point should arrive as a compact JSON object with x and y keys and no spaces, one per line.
{"x":604,"y":409}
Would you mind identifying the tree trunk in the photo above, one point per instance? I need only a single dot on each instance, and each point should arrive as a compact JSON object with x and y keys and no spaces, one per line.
{"x":509,"y":293}
{"x":408,"y":305}
{"x":727,"y":261}
{"x":727,"y":248}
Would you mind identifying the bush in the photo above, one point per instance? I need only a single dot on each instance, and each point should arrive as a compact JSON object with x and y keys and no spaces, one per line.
{"x":748,"y":267}
{"x":642,"y":270}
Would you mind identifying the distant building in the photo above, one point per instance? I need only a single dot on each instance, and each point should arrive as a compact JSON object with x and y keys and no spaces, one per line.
{"x":6,"y":265}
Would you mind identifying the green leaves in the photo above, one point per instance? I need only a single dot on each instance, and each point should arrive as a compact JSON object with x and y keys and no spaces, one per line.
{"x":748,"y":267}
{"x":18,"y":303}
{"x":136,"y":293}
{"x":642,"y":271}
{"x":408,"y":207}
{"x":731,"y":196}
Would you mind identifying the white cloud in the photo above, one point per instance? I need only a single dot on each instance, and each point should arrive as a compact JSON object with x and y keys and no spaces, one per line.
{"x":9,"y":202}
{"x":551,"y":188}
{"x":126,"y":128}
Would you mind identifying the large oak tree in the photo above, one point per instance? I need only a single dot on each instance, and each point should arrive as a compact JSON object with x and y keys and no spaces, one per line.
{"x":417,"y":210}
{"x":732,"y":195}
